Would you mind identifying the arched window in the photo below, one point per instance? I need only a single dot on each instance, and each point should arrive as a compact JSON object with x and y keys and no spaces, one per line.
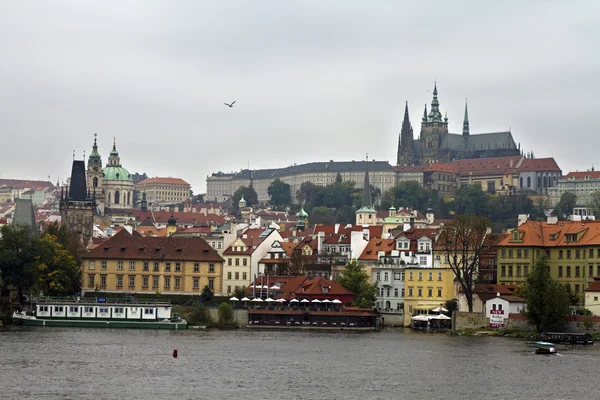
{"x":95,"y":181}
{"x":128,"y":198}
{"x":117,"y":197}
{"x":109,"y":197}
{"x":528,"y":181}
{"x":521,"y":182}
{"x":545,"y":181}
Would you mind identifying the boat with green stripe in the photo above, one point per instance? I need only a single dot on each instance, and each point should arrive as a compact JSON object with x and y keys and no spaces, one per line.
{"x":102,"y":312}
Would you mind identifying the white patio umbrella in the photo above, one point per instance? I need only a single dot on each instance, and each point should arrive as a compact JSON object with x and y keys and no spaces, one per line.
{"x":336,"y":301}
{"x":305,"y":301}
{"x":245,"y":299}
{"x":294,"y":301}
{"x":441,"y":316}
{"x":234,"y":299}
{"x":281,"y":300}
{"x":269,"y":300}
{"x":439,"y":309}
{"x":258,"y":300}
{"x":326,"y":301}
{"x":265,"y":287}
{"x":420,"y":317}
{"x":316,"y":301}
{"x":274,"y":287}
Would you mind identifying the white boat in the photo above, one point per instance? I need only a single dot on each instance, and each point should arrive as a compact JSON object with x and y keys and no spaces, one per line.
{"x":102,"y":312}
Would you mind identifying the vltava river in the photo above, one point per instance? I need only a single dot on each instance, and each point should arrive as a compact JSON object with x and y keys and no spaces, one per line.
{"x":72,"y":363}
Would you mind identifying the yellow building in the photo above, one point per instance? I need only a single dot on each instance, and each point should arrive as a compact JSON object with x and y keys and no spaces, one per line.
{"x":237,"y":267}
{"x":572,"y":250}
{"x":426,"y":289}
{"x":169,"y":190}
{"x":136,"y":264}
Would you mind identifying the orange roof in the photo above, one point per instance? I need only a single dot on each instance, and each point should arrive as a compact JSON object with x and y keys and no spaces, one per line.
{"x":169,"y":181}
{"x":375,"y":246}
{"x":582,"y":175}
{"x":151,"y":231}
{"x":316,"y":285}
{"x":543,"y":234}
{"x":595,"y":286}
{"x":288,"y":247}
{"x":481,"y":165}
{"x":539,"y":164}
{"x":441,"y":167}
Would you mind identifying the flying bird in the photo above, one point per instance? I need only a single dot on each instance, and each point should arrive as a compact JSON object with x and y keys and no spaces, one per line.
{"x":230,"y":105}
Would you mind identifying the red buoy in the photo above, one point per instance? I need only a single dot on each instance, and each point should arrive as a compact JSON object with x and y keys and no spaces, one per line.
{"x":175,"y":353}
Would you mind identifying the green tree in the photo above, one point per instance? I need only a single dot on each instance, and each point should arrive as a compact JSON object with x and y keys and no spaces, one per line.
{"x":17,"y":259}
{"x":345,"y":215}
{"x":239,"y":292}
{"x":57,"y":271}
{"x":207,"y":294}
{"x":470,"y":200}
{"x":338,"y":178}
{"x":355,"y":279}
{"x":463,"y":241}
{"x":571,"y":295}
{"x":547,"y":299}
{"x":565,"y":206}
{"x":595,"y":203}
{"x":225,"y":313}
{"x":408,"y":194}
{"x":305,"y":192}
{"x":279,"y":193}
{"x":321,"y":215}
{"x":249,"y":195}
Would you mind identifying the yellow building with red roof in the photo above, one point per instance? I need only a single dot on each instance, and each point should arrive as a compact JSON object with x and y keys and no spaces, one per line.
{"x":572,"y":249}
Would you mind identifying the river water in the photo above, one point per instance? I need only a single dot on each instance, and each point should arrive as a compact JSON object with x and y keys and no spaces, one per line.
{"x":73,"y":363}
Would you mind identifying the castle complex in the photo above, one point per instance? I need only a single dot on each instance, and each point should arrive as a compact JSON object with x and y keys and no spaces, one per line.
{"x":435,"y":144}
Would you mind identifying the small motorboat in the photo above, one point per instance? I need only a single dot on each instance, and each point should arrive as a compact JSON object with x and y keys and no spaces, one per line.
{"x":545,"y":348}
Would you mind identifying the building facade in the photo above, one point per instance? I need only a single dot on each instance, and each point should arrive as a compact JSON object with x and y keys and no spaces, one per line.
{"x":571,"y":248}
{"x":136,"y":264}
{"x":581,"y":184}
{"x":221,"y":186}
{"x":435,"y":143}
{"x":164,"y":190}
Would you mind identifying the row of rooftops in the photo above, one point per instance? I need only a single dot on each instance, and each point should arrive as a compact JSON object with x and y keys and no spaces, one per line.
{"x":514,"y":164}
{"x":554,"y":234}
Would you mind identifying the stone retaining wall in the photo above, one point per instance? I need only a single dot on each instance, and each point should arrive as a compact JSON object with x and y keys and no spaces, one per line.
{"x":240,"y":316}
{"x":577,"y":323}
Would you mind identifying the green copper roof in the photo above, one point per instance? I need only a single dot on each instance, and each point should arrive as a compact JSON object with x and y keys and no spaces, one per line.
{"x":302,"y":213}
{"x":366,"y":209}
{"x":435,"y":115}
{"x":116,"y":174}
{"x":466,"y":121}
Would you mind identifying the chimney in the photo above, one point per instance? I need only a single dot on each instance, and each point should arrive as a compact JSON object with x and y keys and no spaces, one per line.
{"x":498,"y":294}
{"x":337,"y":228}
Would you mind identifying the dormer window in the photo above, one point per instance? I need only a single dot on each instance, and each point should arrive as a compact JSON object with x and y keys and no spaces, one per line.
{"x":515,"y":235}
{"x":571,"y":238}
{"x":325,"y":289}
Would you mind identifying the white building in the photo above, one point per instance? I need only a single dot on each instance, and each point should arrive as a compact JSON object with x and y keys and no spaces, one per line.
{"x":505,"y":304}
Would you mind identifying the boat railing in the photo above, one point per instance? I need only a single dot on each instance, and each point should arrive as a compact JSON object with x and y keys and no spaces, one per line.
{"x":102,"y":300}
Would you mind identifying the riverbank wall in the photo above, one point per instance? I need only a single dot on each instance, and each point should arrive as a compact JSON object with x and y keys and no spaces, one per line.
{"x":240,"y":316}
{"x":575,"y":323}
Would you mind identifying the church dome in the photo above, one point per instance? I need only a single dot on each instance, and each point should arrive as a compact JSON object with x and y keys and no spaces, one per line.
{"x":116,"y":174}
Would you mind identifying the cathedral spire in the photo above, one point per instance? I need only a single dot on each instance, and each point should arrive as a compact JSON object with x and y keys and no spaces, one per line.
{"x":425,"y":114}
{"x":435,"y":115}
{"x":466,"y":121}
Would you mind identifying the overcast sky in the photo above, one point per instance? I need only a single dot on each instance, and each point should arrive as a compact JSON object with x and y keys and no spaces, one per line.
{"x":312,"y":80}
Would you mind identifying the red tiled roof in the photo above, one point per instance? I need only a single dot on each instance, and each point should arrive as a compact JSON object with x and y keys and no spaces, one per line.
{"x":409,"y":168}
{"x":542,"y":234}
{"x":441,"y":167}
{"x":512,"y":299}
{"x":24,"y":183}
{"x":168,"y":181}
{"x":539,"y":164}
{"x":493,"y":164}
{"x":375,"y":246}
{"x":133,"y":247}
{"x":582,"y":175}
{"x":594,"y":286}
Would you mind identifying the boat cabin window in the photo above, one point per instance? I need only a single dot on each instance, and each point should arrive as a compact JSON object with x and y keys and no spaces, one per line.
{"x":103,"y":310}
{"x":88,"y":309}
{"x":43,"y":308}
{"x":73,"y":309}
{"x":59,"y":308}
{"x":118,"y":310}
{"x":149,"y":311}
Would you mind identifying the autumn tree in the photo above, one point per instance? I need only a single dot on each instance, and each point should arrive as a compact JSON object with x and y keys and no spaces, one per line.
{"x":462,"y":241}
